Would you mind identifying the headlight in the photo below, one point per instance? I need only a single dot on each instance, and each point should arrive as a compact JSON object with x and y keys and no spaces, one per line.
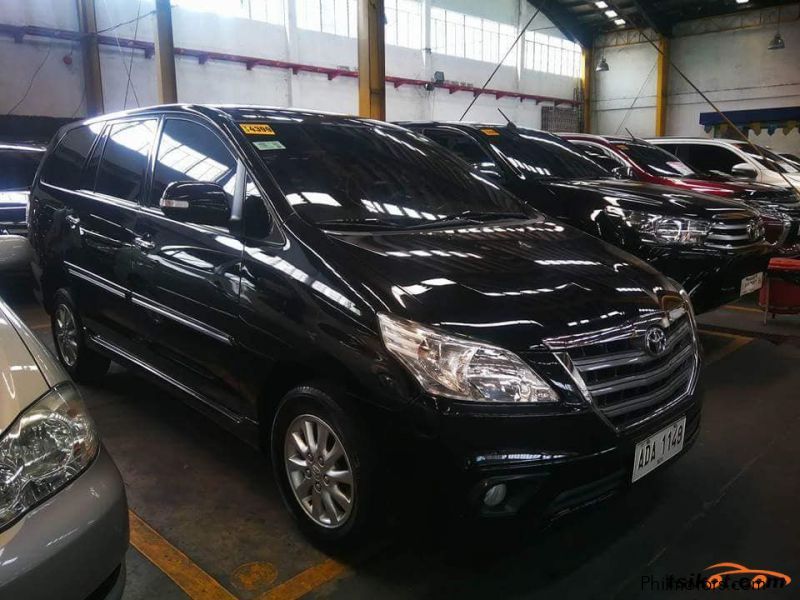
{"x":48,"y":445}
{"x":456,"y":367}
{"x":658,"y":228}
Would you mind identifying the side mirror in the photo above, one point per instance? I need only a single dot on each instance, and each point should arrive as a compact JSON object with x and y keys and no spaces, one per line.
{"x":196,"y":202}
{"x":622,"y":172}
{"x":744,"y":170}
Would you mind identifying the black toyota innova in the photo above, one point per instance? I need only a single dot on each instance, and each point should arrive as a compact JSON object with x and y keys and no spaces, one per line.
{"x":715,"y":248}
{"x":353,"y":298}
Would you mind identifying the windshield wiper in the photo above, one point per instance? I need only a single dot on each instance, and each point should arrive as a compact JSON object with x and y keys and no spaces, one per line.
{"x":359,"y":223}
{"x":471,"y":217}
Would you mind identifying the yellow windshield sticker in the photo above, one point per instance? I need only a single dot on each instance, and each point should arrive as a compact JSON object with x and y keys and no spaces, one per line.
{"x":256,"y":129}
{"x":488,"y":131}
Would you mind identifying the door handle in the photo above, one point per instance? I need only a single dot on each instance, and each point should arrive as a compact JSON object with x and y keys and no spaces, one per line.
{"x":72,"y":221}
{"x":143,"y":244}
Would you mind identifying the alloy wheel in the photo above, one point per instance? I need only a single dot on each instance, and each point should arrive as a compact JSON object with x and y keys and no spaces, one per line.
{"x":319,"y":471}
{"x":66,"y":334}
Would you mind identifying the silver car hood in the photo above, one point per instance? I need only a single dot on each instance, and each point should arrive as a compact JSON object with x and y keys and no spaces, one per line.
{"x":27,"y":369}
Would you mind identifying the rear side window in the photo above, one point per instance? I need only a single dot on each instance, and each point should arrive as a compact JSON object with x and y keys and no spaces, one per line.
{"x":63,"y":167}
{"x":189,"y":151}
{"x":461,"y":144}
{"x":122,"y":169}
{"x":707,"y":158}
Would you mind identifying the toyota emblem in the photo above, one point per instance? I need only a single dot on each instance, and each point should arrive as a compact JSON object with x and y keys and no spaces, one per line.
{"x":655,"y":341}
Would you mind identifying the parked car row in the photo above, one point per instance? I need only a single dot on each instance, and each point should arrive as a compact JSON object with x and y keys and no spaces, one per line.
{"x":488,"y":305}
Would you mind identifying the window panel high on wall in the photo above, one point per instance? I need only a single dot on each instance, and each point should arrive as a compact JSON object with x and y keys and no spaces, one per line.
{"x":269,"y":11}
{"x":403,"y":23}
{"x":338,"y":17}
{"x":467,"y":36}
{"x":550,"y":54}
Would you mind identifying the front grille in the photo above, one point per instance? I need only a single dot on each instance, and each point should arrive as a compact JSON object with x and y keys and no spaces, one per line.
{"x":732,"y":233}
{"x":627,"y":382}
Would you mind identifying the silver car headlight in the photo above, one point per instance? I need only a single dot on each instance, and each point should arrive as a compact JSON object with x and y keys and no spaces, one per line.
{"x":48,"y":446}
{"x":658,"y":228}
{"x":459,"y":368}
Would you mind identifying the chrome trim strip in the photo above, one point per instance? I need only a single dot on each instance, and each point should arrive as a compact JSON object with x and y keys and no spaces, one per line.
{"x":648,"y":399}
{"x":113,"y":348}
{"x":633,"y":381}
{"x":182,"y":319}
{"x":94,"y":279}
{"x":630,"y":357}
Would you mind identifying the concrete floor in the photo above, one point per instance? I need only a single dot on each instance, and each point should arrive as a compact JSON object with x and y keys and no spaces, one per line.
{"x":733,"y":498}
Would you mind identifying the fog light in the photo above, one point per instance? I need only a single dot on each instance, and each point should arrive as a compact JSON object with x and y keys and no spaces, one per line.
{"x":495,"y":495}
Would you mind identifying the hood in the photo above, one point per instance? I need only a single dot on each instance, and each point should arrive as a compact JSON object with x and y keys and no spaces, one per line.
{"x":659,"y":199}
{"x":512,"y":284}
{"x":21,"y":379}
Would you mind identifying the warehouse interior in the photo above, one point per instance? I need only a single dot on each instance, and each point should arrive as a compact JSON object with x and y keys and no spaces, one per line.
{"x":203,"y":506}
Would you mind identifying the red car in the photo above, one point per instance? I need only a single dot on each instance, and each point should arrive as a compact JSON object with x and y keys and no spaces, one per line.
{"x":637,"y":159}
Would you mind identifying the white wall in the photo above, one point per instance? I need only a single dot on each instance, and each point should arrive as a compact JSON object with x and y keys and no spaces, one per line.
{"x":58,"y":88}
{"x":733,"y":68}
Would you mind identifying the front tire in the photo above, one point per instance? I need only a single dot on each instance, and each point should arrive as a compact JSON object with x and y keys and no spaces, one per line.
{"x":82,"y":363}
{"x":321,"y":462}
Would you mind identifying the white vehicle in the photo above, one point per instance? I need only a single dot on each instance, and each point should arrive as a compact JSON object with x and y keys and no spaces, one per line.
{"x":15,"y":254}
{"x":733,"y":157}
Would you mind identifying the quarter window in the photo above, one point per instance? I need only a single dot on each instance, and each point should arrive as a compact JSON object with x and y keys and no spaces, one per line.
{"x":124,"y":162}
{"x":189,"y":151}
{"x":63,"y":168}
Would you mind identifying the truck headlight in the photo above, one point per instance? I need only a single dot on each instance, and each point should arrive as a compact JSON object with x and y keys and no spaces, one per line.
{"x":667,"y":230}
{"x":48,"y":446}
{"x":459,"y":368}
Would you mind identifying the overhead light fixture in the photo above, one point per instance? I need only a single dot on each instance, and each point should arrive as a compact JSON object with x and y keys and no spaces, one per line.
{"x":777,"y":43}
{"x":619,"y":21}
{"x":601,"y":5}
{"x":611,"y":14}
{"x":742,"y":1}
{"x":602,"y":65}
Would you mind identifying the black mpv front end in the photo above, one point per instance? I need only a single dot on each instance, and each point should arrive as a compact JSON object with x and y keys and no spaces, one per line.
{"x":327,"y":285}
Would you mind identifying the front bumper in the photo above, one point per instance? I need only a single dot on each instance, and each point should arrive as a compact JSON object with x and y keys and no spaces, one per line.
{"x":712,"y":278}
{"x":75,"y":542}
{"x":551,"y":465}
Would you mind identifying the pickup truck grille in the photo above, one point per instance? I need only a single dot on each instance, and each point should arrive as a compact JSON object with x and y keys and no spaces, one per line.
{"x":735,"y":233}
{"x":626,"y":379}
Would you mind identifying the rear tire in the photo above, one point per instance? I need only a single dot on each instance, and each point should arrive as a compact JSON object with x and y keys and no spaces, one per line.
{"x":322,"y":463}
{"x":81,"y":362}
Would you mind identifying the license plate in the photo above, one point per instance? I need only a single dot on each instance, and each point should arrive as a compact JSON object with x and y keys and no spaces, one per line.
{"x":751,"y":283}
{"x":658,"y":449}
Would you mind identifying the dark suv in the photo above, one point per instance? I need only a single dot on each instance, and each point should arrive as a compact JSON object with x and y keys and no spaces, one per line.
{"x":350,"y":296}
{"x":715,"y":248}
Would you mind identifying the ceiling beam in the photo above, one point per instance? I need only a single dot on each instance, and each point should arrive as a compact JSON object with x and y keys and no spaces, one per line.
{"x":566,"y":22}
{"x":661,"y":25}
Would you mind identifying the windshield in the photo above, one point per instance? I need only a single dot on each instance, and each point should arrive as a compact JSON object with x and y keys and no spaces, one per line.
{"x":772,"y":161}
{"x":654,"y":160}
{"x":542,"y":157}
{"x":17,"y":169}
{"x":357,"y":172}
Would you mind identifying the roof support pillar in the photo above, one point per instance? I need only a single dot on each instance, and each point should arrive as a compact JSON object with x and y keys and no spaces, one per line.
{"x":371,"y":60}
{"x":92,"y":76}
{"x":662,"y":85}
{"x":586,"y":88}
{"x":165,"y":54}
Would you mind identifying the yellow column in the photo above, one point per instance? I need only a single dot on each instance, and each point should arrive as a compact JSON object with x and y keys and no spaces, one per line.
{"x":165,"y":54}
{"x":662,"y":86}
{"x":586,"y":84}
{"x":93,"y":80}
{"x":371,"y":60}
